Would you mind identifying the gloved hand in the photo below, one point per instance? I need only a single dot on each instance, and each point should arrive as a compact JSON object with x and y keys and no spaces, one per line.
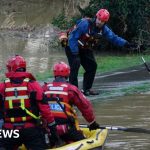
{"x":64,"y":43}
{"x":63,"y":37}
{"x":132,"y":46}
{"x":71,"y":120}
{"x":54,"y":138}
{"x":93,"y":126}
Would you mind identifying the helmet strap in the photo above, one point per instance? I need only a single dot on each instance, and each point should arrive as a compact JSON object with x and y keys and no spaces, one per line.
{"x":21,"y":70}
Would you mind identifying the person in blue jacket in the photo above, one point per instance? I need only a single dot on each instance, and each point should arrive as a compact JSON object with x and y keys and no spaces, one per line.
{"x":79,"y":51}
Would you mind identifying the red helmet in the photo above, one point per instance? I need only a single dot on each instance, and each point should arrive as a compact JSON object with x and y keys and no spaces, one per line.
{"x":15,"y":63}
{"x":103,"y":15}
{"x":61,"y":69}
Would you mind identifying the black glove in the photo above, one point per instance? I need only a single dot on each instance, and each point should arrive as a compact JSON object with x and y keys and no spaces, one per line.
{"x":64,"y":43}
{"x":132,"y":46}
{"x":71,"y":120}
{"x":54,"y":138}
{"x":94,"y":126}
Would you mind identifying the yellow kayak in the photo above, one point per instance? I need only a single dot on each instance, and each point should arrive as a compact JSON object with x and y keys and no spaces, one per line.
{"x":95,"y":139}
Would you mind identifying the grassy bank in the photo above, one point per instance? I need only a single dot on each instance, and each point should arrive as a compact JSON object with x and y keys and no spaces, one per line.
{"x":106,"y":64}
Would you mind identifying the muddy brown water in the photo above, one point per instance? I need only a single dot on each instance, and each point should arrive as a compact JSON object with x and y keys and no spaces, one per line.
{"x":36,"y":50}
{"x":127,"y":111}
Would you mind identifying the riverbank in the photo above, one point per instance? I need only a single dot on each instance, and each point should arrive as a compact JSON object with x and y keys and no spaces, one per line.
{"x":123,"y":82}
{"x":117,"y":76}
{"x":106,"y":64}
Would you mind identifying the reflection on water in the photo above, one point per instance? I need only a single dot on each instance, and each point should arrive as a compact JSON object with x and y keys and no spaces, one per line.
{"x":128,"y":111}
{"x":39,"y":48}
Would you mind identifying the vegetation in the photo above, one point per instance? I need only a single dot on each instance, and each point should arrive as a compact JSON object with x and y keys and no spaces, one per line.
{"x":129,"y":19}
{"x":63,"y":22}
{"x":106,"y":64}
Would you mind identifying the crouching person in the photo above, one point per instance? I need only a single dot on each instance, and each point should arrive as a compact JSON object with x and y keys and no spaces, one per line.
{"x":61,"y":97}
{"x":23,"y":100}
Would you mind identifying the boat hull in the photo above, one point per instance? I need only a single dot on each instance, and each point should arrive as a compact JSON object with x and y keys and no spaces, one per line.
{"x":95,"y":141}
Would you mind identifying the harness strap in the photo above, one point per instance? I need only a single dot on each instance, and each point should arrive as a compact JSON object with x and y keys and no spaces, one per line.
{"x":27,"y":111}
{"x":11,"y":106}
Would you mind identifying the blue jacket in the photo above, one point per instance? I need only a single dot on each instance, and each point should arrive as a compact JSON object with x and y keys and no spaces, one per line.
{"x":82,"y":28}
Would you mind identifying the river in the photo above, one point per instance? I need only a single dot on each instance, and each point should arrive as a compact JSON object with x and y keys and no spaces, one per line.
{"x":127,"y":111}
{"x":30,"y":34}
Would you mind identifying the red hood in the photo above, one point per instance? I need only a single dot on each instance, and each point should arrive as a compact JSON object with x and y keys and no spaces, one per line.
{"x":20,"y":75}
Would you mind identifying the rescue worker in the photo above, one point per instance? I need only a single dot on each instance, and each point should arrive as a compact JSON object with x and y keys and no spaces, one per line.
{"x":80,"y":40}
{"x":23,"y":99}
{"x":62,"y":96}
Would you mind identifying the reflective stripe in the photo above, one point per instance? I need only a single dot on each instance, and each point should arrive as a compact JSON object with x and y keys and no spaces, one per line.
{"x":12,"y":119}
{"x":50,"y":84}
{"x":15,"y":98}
{"x":7,"y":80}
{"x":11,"y":106}
{"x":64,"y":85}
{"x":56,"y":88}
{"x":25,"y":80}
{"x":18,"y":89}
{"x":56,"y":92}
{"x":24,"y":118}
{"x":22,"y":104}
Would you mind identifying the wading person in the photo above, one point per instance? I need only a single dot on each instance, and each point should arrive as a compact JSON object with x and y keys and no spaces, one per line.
{"x":62,"y":96}
{"x":80,"y":40}
{"x":22,"y":100}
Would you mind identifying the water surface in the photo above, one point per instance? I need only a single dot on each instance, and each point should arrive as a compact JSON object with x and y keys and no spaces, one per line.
{"x":127,"y":111}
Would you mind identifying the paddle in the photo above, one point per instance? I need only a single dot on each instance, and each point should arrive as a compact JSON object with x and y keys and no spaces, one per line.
{"x":148,"y":69}
{"x":137,"y":130}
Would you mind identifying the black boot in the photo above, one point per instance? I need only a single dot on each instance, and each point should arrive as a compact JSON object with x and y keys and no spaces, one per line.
{"x":90,"y":92}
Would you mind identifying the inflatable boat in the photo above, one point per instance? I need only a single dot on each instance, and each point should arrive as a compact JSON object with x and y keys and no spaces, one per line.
{"x":95,"y":140}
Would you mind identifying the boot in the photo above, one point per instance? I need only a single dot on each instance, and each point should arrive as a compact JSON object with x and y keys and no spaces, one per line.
{"x":90,"y":92}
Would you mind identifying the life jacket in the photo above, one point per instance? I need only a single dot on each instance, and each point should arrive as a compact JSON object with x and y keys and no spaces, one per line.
{"x":18,"y":106}
{"x":60,"y":91}
{"x":88,"y":40}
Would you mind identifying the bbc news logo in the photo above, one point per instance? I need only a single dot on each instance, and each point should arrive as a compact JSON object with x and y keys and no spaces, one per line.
{"x":9,"y":133}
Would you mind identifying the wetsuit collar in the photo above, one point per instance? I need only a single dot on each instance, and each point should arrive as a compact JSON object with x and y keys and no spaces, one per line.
{"x":60,"y":79}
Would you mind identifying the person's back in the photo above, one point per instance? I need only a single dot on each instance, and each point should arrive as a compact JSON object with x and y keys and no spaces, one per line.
{"x":62,"y":96}
{"x":22,"y":98}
